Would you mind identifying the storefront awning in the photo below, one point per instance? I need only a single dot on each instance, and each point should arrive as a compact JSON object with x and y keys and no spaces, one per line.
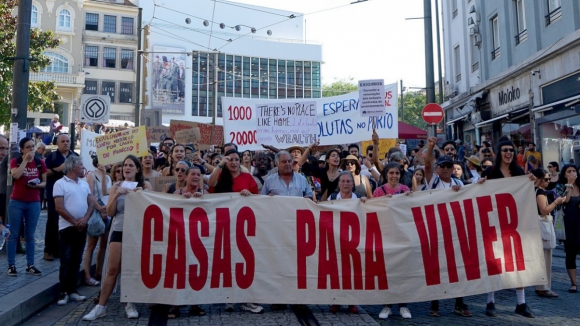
{"x":450,"y":122}
{"x":550,"y":106}
{"x":483,"y":123}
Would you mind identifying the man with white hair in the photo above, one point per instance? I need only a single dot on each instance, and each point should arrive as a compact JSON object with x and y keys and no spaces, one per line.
{"x":54,"y":126}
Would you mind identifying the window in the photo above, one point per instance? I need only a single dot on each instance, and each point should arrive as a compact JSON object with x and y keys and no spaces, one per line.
{"x":125,"y":93}
{"x":58,"y":63}
{"x":127,"y":25}
{"x":454,"y":9}
{"x":109,"y":57}
{"x":64,"y":20}
{"x":91,"y":56}
{"x":108,"y":88}
{"x":495,"y":38}
{"x":522,"y":33}
{"x":554,"y":11}
{"x":92,"y":22}
{"x":127,"y":59}
{"x":34,"y":17}
{"x":457,"y":63}
{"x":110,"y":25}
{"x":90,"y":87}
{"x":474,"y":55}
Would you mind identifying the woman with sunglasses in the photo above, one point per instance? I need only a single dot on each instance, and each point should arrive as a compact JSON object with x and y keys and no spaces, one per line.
{"x":362,"y":186}
{"x":148,"y":161}
{"x":177,"y":154}
{"x":116,"y":173}
{"x":544,"y":212}
{"x":506,"y":166}
{"x":569,"y":186}
{"x":328,"y":175}
{"x":179,"y":171}
{"x":553,"y":170}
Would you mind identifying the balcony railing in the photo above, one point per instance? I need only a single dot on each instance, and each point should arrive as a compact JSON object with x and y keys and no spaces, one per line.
{"x":553,"y":16}
{"x":494,"y":54}
{"x":522,"y":36}
{"x":457,"y":77}
{"x":454,"y":14}
{"x":474,"y":67}
{"x":68,"y":79}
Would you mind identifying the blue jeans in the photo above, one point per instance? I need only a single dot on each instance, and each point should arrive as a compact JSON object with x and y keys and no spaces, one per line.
{"x":30,"y":212}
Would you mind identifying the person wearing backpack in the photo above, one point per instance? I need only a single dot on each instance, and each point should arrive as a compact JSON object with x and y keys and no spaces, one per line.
{"x":29,"y":175}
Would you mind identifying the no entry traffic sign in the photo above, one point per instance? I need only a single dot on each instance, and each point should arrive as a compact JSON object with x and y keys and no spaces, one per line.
{"x":432,"y":113}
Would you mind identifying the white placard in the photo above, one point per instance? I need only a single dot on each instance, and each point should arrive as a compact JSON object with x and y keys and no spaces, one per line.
{"x":88,"y":149}
{"x":371,"y":94}
{"x":287,"y":124}
{"x":95,"y":108}
{"x":14,"y":133}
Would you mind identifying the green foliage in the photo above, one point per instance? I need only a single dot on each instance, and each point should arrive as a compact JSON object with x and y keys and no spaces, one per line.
{"x":339,"y":87}
{"x":414,"y":102}
{"x":41,"y":95}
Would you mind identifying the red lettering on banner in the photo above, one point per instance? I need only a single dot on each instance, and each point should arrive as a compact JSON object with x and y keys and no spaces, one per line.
{"x":175,"y":264}
{"x":374,"y":249}
{"x":150,"y":277}
{"x":349,"y":224}
{"x":327,"y":260}
{"x":198,"y":227}
{"x":508,"y":224}
{"x":305,"y":243}
{"x":448,"y":243}
{"x":489,"y":235}
{"x":245,"y":215}
{"x":429,"y":243}
{"x":467,"y":239}
{"x":222,"y":265}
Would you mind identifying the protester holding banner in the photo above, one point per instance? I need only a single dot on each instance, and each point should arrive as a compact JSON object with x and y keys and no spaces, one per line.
{"x":418,"y":178}
{"x":194,"y":184}
{"x":180,"y":173}
{"x":147,"y":162}
{"x":177,"y":154}
{"x":569,"y":186}
{"x":328,"y":175}
{"x":544,"y":213}
{"x":441,"y":177}
{"x":132,"y":181}
{"x":261,"y":169}
{"x":362,"y":186}
{"x":99,"y":183}
{"x":506,"y":166}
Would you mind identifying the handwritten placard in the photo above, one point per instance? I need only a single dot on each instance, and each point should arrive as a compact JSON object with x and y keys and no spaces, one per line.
{"x":159,"y":183}
{"x":287,"y":123}
{"x":177,"y":125}
{"x":209,"y":134}
{"x":384,"y":145}
{"x":88,"y":149}
{"x":114,"y":147}
{"x":157,"y":134}
{"x":187,"y":136}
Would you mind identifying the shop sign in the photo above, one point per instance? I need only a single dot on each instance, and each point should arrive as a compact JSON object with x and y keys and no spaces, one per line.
{"x":509,"y":95}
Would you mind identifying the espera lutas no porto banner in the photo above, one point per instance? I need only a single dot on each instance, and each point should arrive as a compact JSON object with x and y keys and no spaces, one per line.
{"x":338,"y":118}
{"x":428,"y":245}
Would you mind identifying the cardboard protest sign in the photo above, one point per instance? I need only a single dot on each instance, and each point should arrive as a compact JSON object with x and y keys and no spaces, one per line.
{"x":187,"y":136}
{"x":209,"y":134}
{"x":429,"y":245}
{"x":177,"y":125}
{"x":159,"y":183}
{"x":114,"y":147}
{"x":384,"y":146}
{"x":157,"y":134}
{"x":338,"y":119}
{"x":88,"y":149}
{"x":285,"y":124}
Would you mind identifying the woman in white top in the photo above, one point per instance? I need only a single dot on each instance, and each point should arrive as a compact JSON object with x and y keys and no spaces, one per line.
{"x":99,"y":183}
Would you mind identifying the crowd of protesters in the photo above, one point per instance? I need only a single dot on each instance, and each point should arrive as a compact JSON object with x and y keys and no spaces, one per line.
{"x":335,"y":174}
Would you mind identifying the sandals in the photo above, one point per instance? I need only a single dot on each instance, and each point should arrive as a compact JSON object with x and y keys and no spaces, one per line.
{"x":434,"y":313}
{"x":573,"y":288}
{"x":173,"y":312}
{"x":547,"y":294}
{"x":97,"y":298}
{"x":92,"y":282}
{"x":196,"y":310}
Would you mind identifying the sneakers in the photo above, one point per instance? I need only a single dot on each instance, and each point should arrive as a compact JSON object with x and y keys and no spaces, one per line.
{"x":490,"y":310}
{"x":353,"y":309}
{"x":462,"y":310}
{"x":12,"y":271}
{"x":385,"y":313}
{"x":230,"y":307}
{"x":97,"y":312}
{"x":33,"y":271}
{"x":131,"y":311}
{"x":405,"y":312}
{"x":63,"y":299}
{"x":77,"y":297}
{"x":524,"y":310}
{"x":334,"y":308}
{"x":252,"y":307}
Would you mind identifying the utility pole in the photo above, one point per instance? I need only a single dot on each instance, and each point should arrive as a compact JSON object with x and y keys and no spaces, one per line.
{"x":402,"y":102}
{"x":138,"y":71}
{"x":429,"y":71}
{"x":438,"y":53}
{"x":21,"y":73}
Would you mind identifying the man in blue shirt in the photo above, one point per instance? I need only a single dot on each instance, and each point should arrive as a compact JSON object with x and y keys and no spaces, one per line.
{"x":286,"y":182}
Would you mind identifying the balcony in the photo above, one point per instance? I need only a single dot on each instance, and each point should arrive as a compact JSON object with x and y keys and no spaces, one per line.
{"x":522,"y":36}
{"x":553,"y":16}
{"x":70,"y":80}
{"x":495,"y":54}
{"x":475,"y":67}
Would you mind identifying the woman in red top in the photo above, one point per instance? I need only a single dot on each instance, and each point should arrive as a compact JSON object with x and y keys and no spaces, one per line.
{"x":228,"y":177}
{"x":29,"y":177}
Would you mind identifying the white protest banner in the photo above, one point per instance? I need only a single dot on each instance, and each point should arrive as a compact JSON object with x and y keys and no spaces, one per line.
{"x":371,"y":94}
{"x":338,"y":118}
{"x":286,"y":124}
{"x":88,"y":149}
{"x":429,"y":245}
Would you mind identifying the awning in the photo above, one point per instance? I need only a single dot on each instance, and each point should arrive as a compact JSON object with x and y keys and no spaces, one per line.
{"x":411,"y":132}
{"x":450,"y":122}
{"x":550,"y":106}
{"x":483,"y":123}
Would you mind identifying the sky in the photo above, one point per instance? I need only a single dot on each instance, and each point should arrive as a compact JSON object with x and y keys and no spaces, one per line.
{"x":367,"y":40}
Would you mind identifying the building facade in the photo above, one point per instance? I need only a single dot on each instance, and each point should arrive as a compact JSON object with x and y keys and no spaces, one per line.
{"x":195,"y":56}
{"x":512,"y":70}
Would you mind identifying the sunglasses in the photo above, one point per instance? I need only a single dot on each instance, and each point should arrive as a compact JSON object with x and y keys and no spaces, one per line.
{"x":350,"y":163}
{"x":167,"y":144}
{"x":446,"y":165}
{"x":507,"y":150}
{"x":547,"y":179}
{"x":180,"y":170}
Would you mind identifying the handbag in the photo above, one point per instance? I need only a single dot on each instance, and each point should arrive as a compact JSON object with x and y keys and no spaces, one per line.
{"x":547,"y":232}
{"x":96,"y":225}
{"x":559,"y":227}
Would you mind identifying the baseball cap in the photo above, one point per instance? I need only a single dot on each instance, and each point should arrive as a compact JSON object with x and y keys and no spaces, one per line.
{"x":444,"y":159}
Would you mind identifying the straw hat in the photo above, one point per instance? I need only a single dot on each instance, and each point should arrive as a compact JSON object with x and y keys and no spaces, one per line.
{"x":290,"y":149}
{"x":473,"y":160}
{"x":350,"y":158}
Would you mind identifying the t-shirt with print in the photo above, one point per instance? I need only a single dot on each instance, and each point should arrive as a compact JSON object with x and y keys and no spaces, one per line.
{"x":437,"y":183}
{"x":21,"y":191}
{"x":387,"y":190}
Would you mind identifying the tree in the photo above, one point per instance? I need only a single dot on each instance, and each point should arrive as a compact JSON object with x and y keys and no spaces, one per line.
{"x":414,"y":102}
{"x":339,"y":87}
{"x":41,"y":95}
